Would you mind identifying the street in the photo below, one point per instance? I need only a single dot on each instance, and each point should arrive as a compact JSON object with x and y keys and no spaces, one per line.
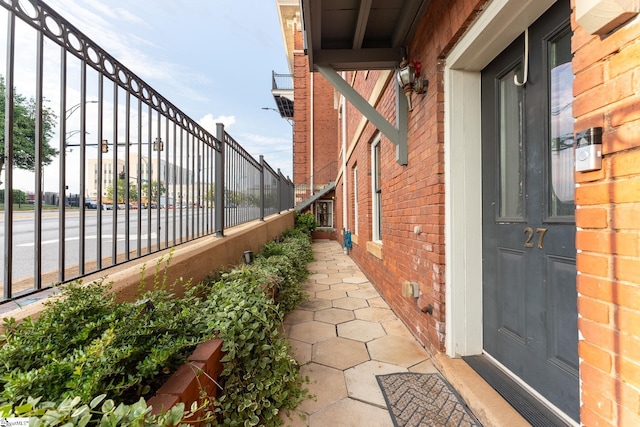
{"x":143,"y":231}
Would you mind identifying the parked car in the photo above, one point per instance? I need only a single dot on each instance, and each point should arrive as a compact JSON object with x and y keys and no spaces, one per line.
{"x":107,"y":207}
{"x":90,"y":204}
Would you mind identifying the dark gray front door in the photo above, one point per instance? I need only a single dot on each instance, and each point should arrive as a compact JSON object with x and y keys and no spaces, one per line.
{"x":529,"y":287}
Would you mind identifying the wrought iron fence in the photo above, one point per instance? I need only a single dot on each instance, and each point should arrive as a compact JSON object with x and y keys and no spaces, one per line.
{"x":134,"y":174}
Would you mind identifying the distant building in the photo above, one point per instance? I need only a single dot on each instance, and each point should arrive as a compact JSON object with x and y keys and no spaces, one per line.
{"x":178,"y":183}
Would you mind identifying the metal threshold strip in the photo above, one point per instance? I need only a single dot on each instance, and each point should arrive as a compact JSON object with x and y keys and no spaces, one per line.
{"x":528,"y":406}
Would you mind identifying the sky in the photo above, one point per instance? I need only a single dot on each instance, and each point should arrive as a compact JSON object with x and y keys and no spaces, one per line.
{"x":212,"y":59}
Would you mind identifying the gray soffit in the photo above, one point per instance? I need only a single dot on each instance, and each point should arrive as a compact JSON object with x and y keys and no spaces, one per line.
{"x":359,"y":34}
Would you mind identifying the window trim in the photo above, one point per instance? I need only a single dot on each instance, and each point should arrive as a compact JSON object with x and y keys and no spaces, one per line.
{"x":329,"y":202}
{"x":376,"y":191}
{"x":355,"y":199}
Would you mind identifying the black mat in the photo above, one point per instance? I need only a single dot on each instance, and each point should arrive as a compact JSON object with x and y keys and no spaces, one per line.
{"x":424,"y":400}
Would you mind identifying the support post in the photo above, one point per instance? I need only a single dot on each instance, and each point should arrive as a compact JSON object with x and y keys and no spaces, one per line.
{"x":220,"y":184}
{"x":261,"y":187}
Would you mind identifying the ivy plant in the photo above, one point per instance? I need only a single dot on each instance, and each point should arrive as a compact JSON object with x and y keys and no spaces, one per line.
{"x":85,"y":349}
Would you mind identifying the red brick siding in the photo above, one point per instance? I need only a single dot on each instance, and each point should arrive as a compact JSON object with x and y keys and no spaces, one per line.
{"x":606,"y":87}
{"x":325,"y":121}
{"x":413,"y":195}
{"x":301,"y":116}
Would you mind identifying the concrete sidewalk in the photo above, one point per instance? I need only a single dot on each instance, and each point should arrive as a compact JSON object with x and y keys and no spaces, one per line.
{"x":346,"y":334}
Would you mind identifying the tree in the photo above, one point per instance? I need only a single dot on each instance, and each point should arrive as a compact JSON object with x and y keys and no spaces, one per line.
{"x":156,"y":190}
{"x":24,"y":132}
{"x":122,"y":185}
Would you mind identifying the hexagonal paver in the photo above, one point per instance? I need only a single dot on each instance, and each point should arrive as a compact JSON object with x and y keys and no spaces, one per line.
{"x":350,"y":303}
{"x":315,"y":287}
{"x":375,"y":314}
{"x":298,"y":316}
{"x":301,"y":351}
{"x":397,"y":328}
{"x":362,"y":384}
{"x":326,"y":384}
{"x":361,"y":330}
{"x":317,"y":276}
{"x":355,"y":279}
{"x":339,"y":353}
{"x":350,"y":412}
{"x":330,"y":280}
{"x":331,"y":294}
{"x":315,"y":304}
{"x":400,"y":351}
{"x":312,"y":332}
{"x":378,"y":302}
{"x":334,"y":316}
{"x":345,"y":287}
{"x":364,"y":293}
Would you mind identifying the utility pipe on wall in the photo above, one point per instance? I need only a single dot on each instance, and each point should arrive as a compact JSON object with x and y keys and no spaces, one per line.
{"x":311,"y":136}
{"x":343,"y":125}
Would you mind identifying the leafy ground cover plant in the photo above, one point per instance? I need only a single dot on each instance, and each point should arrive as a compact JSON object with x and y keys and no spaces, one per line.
{"x":305,"y":222}
{"x":85,"y":345}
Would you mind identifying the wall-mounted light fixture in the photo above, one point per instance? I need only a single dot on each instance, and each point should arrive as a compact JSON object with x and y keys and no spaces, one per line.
{"x":408,"y":76}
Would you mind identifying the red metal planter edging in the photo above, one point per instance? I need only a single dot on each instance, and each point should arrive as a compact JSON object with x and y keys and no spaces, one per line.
{"x":196,"y":375}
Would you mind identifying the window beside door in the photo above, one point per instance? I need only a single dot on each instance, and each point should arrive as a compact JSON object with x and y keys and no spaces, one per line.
{"x":324,"y":213}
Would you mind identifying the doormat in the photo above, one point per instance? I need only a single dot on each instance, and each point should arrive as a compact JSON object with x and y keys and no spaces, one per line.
{"x":424,"y":400}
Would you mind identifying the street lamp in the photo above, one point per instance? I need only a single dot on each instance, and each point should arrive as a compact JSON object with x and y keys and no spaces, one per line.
{"x":277,"y":111}
{"x":73,"y":109}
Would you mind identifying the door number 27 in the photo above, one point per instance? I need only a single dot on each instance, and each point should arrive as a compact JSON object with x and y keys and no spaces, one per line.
{"x":530,"y":233}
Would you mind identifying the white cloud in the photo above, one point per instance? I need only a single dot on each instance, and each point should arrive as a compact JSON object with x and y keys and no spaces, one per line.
{"x":209,"y":122}
{"x":266,"y":141}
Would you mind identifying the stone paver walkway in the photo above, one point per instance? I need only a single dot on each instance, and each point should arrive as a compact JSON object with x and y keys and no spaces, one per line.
{"x":343,"y":337}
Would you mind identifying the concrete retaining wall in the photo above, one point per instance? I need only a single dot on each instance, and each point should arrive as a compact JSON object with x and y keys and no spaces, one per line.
{"x":194,"y":260}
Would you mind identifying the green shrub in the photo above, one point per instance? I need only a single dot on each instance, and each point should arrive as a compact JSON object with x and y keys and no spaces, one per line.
{"x":288,"y":261}
{"x":259,"y":375}
{"x":85,"y":344}
{"x":305,"y":222}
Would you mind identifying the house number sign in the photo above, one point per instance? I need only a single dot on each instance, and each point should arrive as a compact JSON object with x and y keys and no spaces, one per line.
{"x":528,"y":243}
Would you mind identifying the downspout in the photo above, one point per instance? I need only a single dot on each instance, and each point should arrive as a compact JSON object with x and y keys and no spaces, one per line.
{"x":343,"y":120}
{"x":311,"y":136}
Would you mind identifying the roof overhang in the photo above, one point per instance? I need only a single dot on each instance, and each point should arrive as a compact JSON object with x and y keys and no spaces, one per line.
{"x":359,"y":34}
{"x":289,"y":15}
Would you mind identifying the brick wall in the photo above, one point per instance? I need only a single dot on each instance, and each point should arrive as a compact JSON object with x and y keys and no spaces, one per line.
{"x":325,"y":119}
{"x":607,"y":90}
{"x":301,"y":124}
{"x":413,"y":195}
{"x":606,"y":87}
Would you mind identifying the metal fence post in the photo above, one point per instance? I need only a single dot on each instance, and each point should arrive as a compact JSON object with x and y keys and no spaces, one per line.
{"x":261,"y":187}
{"x":219,"y":185}
{"x":279,"y":191}
{"x":290,"y":193}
